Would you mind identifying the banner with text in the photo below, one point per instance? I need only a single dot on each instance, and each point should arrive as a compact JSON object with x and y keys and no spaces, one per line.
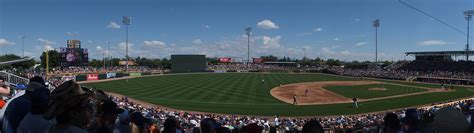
{"x":111,"y":75}
{"x":135,"y":74}
{"x":92,"y":77}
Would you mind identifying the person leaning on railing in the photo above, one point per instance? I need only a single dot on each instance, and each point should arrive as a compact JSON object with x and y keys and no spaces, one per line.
{"x":4,"y":88}
{"x":4,"y":91}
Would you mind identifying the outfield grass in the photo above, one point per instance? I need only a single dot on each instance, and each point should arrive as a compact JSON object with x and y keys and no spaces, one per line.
{"x":362,"y":91}
{"x":243,"y":93}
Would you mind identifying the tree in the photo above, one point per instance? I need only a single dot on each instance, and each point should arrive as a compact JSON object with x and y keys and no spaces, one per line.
{"x":269,"y":58}
{"x":357,"y":65}
{"x":165,"y":63}
{"x":332,"y":62}
{"x":318,"y":60}
{"x":96,"y":63}
{"x":54,"y":59}
{"x":212,"y":60}
{"x":386,"y":63}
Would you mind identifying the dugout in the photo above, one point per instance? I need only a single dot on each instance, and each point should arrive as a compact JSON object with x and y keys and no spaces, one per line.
{"x":188,"y":63}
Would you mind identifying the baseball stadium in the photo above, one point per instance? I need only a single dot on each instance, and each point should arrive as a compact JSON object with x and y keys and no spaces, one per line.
{"x":236,"y":67}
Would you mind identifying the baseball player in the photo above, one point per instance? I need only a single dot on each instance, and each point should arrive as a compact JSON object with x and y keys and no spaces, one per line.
{"x":294,"y":100}
{"x":306,"y":92}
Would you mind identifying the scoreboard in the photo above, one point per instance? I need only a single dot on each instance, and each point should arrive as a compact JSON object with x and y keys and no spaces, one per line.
{"x":188,"y":63}
{"x":73,"y":44}
{"x":73,"y":54}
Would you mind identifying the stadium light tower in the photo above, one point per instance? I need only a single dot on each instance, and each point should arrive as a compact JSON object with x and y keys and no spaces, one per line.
{"x":304,"y":54}
{"x":468,"y":16}
{"x":103,"y":60}
{"x":108,"y":51}
{"x":126,"y":21}
{"x":248,"y":30}
{"x":22,"y":37}
{"x":376,"y":24}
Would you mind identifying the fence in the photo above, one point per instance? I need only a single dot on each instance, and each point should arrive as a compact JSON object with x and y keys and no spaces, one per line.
{"x":13,"y":79}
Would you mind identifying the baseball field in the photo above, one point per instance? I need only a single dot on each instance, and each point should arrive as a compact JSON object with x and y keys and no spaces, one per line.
{"x":268,"y":94}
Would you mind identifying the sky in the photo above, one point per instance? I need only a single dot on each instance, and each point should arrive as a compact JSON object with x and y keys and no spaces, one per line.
{"x":339,"y":29}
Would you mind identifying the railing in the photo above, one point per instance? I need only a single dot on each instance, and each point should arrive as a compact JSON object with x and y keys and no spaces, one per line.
{"x":13,"y":79}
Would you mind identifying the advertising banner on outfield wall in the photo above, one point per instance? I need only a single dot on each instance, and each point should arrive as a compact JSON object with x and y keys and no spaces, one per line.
{"x":67,"y":78}
{"x":135,"y":74}
{"x":111,"y":75}
{"x":224,"y":60}
{"x":92,"y":77}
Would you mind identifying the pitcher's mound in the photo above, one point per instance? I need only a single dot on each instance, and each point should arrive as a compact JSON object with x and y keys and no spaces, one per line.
{"x":315,"y":94}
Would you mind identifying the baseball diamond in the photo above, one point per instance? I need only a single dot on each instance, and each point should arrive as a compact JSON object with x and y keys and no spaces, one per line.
{"x":245,"y":94}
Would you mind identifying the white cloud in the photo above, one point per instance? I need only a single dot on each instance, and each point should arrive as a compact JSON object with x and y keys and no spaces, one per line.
{"x":5,"y":42}
{"x":112,"y":25}
{"x":99,"y":48}
{"x":46,"y":42}
{"x":90,"y":41}
{"x":29,"y":54}
{"x":346,"y":52}
{"x":122,"y":46}
{"x":318,"y":29}
{"x":433,"y":42}
{"x":267,"y":24}
{"x":326,"y":51}
{"x":357,"y":20}
{"x":206,"y":26}
{"x":308,"y":48}
{"x":223,"y":46}
{"x":336,"y":39}
{"x":269,"y":42}
{"x":360,"y":44}
{"x":154,"y":44}
{"x":197,"y":41}
{"x":48,"y":47}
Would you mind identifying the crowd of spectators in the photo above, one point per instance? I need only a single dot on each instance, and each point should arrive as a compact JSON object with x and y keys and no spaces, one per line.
{"x":74,"y":108}
{"x":376,"y":73}
{"x":64,"y":71}
{"x":449,"y":66}
{"x":89,"y":69}
{"x":238,"y":67}
{"x":402,"y":72}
